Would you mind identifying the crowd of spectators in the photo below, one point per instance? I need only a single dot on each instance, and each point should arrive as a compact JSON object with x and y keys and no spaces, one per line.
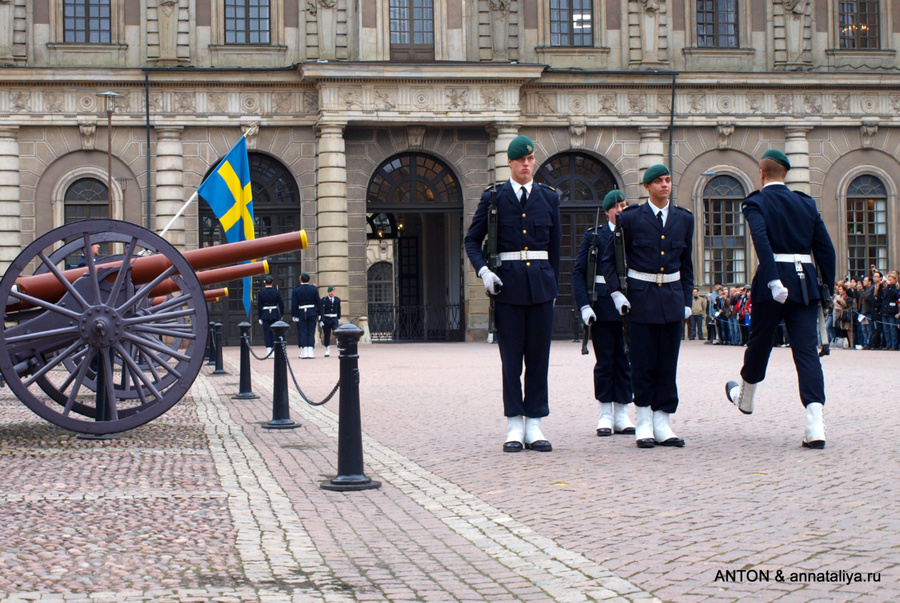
{"x":866,"y":314}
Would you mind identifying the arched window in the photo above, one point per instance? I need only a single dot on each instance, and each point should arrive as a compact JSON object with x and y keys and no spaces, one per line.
{"x":866,"y":224}
{"x":414,"y":181}
{"x":85,"y":199}
{"x":724,"y":243}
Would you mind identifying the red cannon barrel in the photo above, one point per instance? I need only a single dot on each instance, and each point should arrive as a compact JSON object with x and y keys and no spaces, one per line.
{"x":211,"y":295}
{"x":216,"y":276}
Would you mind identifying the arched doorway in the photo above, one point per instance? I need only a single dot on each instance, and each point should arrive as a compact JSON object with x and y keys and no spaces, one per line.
{"x":276,"y":210}
{"x":414,"y":211}
{"x":582,"y":181}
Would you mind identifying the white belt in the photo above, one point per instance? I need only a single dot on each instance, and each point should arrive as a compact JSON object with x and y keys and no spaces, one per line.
{"x":797,"y":259}
{"x":306,"y":307}
{"x":599,"y":279}
{"x":658,"y":277}
{"x":270,"y":307}
{"x":331,"y":315}
{"x":524,"y":255}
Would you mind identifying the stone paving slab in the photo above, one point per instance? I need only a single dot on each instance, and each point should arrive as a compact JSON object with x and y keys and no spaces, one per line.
{"x":205,"y":505}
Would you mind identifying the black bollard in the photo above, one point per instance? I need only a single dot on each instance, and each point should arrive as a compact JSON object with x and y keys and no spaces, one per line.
{"x":246,"y":391}
{"x":281,"y":411}
{"x":211,"y":343}
{"x":350,"y":455}
{"x":218,"y":338}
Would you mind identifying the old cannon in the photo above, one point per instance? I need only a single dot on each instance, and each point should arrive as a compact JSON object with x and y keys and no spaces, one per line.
{"x":115,"y":342}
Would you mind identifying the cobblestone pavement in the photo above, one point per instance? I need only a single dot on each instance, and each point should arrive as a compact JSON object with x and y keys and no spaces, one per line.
{"x":204,"y":504}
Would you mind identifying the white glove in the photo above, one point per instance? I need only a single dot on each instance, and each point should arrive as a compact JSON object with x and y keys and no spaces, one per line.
{"x":587,"y":315}
{"x":779,"y":291}
{"x":687,"y":312}
{"x":491,"y":282}
{"x":296,"y":319}
{"x":322,"y":323}
{"x":621,"y":302}
{"x":260,"y":321}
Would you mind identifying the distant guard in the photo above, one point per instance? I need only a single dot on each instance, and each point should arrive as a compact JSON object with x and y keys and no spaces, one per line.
{"x":305,"y":311}
{"x":269,"y":309}
{"x":330,"y":317}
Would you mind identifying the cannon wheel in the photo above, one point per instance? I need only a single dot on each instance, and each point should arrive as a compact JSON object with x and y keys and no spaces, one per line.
{"x":150,"y":355}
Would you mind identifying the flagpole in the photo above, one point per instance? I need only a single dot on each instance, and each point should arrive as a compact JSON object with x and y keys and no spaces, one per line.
{"x":178,"y":215}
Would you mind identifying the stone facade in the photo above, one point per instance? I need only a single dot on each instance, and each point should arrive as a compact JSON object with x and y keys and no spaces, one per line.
{"x":324,"y":98}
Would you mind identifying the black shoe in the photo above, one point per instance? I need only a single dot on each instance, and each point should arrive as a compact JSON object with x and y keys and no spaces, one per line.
{"x":604,"y":432}
{"x":646,"y":443}
{"x":815,"y":445}
{"x":730,"y":386}
{"x":626,"y":431}
{"x":672,"y":442}
{"x":512,"y":447}
{"x":540,"y":446}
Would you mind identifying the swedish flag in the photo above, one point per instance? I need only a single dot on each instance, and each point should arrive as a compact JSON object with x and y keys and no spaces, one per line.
{"x":227,"y":191}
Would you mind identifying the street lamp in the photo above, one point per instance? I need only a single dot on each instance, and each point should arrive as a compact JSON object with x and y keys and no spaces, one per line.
{"x":110,"y":99}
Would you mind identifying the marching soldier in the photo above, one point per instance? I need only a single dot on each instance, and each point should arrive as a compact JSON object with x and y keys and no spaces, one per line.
{"x":525,"y":286}
{"x":612,"y":370}
{"x":269,"y":309}
{"x":660,"y":278}
{"x":790,"y":239}
{"x":330,"y":317}
{"x":305,"y":311}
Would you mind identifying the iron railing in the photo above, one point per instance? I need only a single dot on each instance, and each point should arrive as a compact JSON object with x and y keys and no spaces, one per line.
{"x":388,"y":322}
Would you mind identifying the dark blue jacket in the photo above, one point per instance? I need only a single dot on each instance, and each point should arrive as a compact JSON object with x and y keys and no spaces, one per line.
{"x":304,"y":294}
{"x":266,"y":298}
{"x":535,"y":227}
{"x":890,"y":301}
{"x":653,"y":250}
{"x":786,"y":221}
{"x":604,"y":307}
{"x":330,"y":305}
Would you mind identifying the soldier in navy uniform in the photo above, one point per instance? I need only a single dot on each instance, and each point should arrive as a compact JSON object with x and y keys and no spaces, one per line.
{"x":790,"y":239}
{"x":660,"y":279}
{"x":525,"y":286}
{"x":305,"y":311}
{"x":612,"y":370}
{"x":330,"y":317}
{"x":269,"y":309}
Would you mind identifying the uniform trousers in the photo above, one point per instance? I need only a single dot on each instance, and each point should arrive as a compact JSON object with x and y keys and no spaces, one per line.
{"x":800,"y":324}
{"x":612,"y":370}
{"x":654,"y":363}
{"x":306,"y":331}
{"x":268,"y":335}
{"x":330,"y":324}
{"x":524,"y":333}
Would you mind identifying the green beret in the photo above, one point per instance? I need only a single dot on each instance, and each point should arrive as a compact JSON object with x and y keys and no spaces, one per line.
{"x":612,"y":198}
{"x":304,"y":275}
{"x":520,"y":147}
{"x":653,"y":172}
{"x":269,"y":278}
{"x":778,"y":156}
{"x":330,"y":288}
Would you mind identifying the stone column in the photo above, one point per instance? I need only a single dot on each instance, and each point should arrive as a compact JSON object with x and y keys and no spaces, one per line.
{"x":797,"y":150}
{"x":10,"y":206}
{"x":170,"y":182}
{"x":332,"y":231}
{"x":650,"y":151}
{"x":503,"y":134}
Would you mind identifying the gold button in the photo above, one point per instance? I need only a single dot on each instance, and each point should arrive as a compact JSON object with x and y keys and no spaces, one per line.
{"x":523,"y":215}
{"x":526,"y":249}
{"x":663,"y":269}
{"x":663,"y":237}
{"x":662,"y":253}
{"x":528,"y":263}
{"x":524,"y":232}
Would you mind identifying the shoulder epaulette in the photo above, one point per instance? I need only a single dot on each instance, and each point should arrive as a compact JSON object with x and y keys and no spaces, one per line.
{"x":684,"y":209}
{"x":547,"y":185}
{"x":753,"y":194}
{"x":633,"y":206}
{"x":802,"y":194}
{"x":493,"y":186}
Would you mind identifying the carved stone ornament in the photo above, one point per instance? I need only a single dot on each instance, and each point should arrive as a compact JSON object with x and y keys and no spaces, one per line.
{"x":184,"y":102}
{"x":544,"y":105}
{"x":384,"y":100}
{"x":458,"y":98}
{"x":415,"y":137}
{"x":637,"y":103}
{"x":168,"y":6}
{"x":812,"y":104}
{"x":310,"y":102}
{"x":53,"y":101}
{"x":755,"y":103}
{"x":841,"y":103}
{"x":606,"y":103}
{"x":577,"y":130}
{"x":491,"y":97}
{"x":784,"y":103}
{"x":88,"y":130}
{"x":724,"y":130}
{"x":217,"y":102}
{"x":250,"y":130}
{"x":499,"y":6}
{"x":351,"y":100}
{"x":867,"y":131}
{"x":21,"y":101}
{"x":698,"y":103}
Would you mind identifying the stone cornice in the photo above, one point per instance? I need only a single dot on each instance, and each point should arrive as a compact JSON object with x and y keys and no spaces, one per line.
{"x":430,"y":72}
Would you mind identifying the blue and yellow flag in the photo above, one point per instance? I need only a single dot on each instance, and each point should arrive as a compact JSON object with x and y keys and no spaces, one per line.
{"x":227,"y":191}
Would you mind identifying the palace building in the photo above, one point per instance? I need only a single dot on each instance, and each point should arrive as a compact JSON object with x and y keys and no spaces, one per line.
{"x":376,"y":124}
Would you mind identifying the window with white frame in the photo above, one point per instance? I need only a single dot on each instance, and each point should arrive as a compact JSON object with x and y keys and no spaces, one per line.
{"x":248,"y":22}
{"x":87,"y":22}
{"x":724,"y":243}
{"x":571,"y":23}
{"x":717,"y":23}
{"x":858,"y":25}
{"x":867,"y":231}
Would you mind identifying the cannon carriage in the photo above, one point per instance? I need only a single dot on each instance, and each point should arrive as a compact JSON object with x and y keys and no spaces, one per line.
{"x":115,"y":343}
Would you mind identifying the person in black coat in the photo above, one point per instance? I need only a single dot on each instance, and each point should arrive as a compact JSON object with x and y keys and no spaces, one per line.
{"x":269,"y":309}
{"x":612,"y":369}
{"x":330,"y":317}
{"x":525,"y":287}
{"x":305,"y":312}
{"x":790,"y":239}
{"x":660,"y":281}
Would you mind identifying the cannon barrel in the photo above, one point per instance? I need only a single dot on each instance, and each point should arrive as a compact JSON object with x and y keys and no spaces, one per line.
{"x":211,"y":295}
{"x":144,"y":269}
{"x":216,"y":276}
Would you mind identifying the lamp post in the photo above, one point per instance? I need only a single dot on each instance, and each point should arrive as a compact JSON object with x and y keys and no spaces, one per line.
{"x":110,"y":99}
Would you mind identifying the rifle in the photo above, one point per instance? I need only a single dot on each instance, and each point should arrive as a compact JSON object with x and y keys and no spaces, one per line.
{"x":622,"y":273}
{"x":589,"y":277}
{"x":491,"y":257}
{"x":826,"y":304}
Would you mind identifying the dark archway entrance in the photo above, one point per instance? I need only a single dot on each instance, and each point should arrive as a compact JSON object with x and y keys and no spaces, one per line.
{"x":415,"y":226}
{"x":582,"y":182}
{"x":276,"y":210}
